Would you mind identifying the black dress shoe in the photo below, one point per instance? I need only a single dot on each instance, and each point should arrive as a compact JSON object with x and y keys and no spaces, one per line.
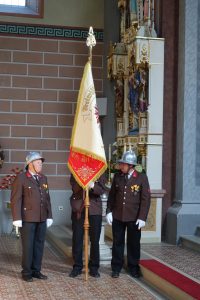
{"x":115,"y":274}
{"x":27,"y":278}
{"x":135,"y":272}
{"x":75,"y":272}
{"x":94,"y":274}
{"x":39,"y":275}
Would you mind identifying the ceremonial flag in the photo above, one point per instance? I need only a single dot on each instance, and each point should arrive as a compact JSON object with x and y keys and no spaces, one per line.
{"x":87,"y":159}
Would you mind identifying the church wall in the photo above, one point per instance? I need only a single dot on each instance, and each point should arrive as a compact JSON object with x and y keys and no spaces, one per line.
{"x":40,"y":80}
{"x":40,"y":72}
{"x":67,"y":13}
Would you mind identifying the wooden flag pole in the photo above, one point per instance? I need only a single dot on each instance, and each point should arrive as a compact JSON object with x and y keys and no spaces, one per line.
{"x":91,"y":42}
{"x":86,"y":231}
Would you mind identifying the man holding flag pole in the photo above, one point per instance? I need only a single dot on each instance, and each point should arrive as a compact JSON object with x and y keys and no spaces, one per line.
{"x":87,"y":161}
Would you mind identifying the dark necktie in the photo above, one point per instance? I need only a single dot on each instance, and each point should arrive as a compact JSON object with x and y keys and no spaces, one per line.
{"x":36,"y":178}
{"x":126,"y":177}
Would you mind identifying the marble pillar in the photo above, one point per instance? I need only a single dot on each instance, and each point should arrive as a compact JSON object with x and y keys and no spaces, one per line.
{"x":184,"y":215}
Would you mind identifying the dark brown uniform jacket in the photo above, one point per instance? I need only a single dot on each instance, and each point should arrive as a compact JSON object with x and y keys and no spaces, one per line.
{"x":129,"y":199}
{"x":30,"y":201}
{"x":77,"y":198}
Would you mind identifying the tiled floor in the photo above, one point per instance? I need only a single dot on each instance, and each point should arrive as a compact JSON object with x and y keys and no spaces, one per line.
{"x":59,"y":286}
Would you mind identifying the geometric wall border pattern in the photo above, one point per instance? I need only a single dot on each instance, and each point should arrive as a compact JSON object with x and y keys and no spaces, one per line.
{"x":47,"y":31}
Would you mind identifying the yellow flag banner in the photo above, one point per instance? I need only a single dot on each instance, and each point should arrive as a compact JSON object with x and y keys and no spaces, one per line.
{"x":87,"y":160}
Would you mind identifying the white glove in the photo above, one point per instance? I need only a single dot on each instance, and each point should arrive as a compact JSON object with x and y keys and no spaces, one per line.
{"x":49,"y":222}
{"x":109,"y":218}
{"x":91,"y":185}
{"x":17,"y":223}
{"x":140,"y":223}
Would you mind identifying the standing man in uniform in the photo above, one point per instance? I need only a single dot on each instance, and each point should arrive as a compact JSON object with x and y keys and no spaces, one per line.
{"x":97,"y":188}
{"x":127,"y":208}
{"x":31,"y":211}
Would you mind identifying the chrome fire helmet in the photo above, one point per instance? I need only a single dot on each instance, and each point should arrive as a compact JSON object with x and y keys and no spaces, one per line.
{"x":129,"y":157}
{"x":33,"y":156}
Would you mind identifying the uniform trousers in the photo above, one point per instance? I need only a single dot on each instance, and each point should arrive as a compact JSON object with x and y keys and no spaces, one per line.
{"x":95,"y":222}
{"x":133,"y":245}
{"x":33,"y":238}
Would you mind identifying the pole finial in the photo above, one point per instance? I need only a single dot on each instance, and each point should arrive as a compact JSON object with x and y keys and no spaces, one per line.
{"x":90,"y":42}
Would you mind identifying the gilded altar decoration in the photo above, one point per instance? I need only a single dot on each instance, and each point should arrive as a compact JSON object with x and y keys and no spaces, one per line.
{"x":117,"y":61}
{"x":144,"y":53}
{"x":151,"y":219}
{"x":136,"y":69}
{"x":128,"y":67}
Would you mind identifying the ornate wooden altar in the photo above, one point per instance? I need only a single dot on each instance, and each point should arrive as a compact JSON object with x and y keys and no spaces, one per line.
{"x":136,"y":65}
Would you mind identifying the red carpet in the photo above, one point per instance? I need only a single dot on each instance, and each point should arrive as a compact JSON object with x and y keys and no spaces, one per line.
{"x":182,"y":282}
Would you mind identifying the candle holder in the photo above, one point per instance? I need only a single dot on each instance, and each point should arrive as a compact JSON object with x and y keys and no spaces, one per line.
{"x":109,"y":174}
{"x":105,"y":251}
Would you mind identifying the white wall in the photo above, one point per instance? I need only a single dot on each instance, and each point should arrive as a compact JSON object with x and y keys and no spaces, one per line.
{"x":77,"y":13}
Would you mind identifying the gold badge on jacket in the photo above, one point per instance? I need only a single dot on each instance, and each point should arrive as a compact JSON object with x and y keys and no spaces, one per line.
{"x":45,"y":186}
{"x":135,"y":189}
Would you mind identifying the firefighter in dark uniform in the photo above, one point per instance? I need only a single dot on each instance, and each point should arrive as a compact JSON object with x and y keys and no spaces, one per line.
{"x":31,"y":211}
{"x":97,"y":188}
{"x":127,"y":209}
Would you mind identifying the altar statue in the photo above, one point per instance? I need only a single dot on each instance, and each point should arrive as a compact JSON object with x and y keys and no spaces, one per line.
{"x":146,"y":9}
{"x":143,"y":90}
{"x":119,"y":98}
{"x":133,"y":123}
{"x":133,"y":10}
{"x":133,"y":95}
